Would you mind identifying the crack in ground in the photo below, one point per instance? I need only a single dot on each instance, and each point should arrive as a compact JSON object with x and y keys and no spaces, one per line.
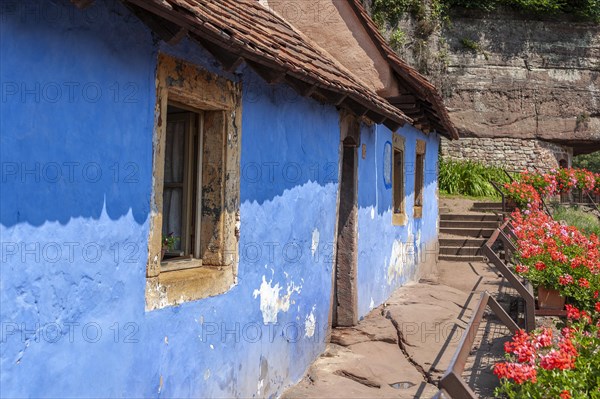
{"x":402,"y":344}
{"x":339,"y":340}
{"x":361,"y":380}
{"x":462,"y":306}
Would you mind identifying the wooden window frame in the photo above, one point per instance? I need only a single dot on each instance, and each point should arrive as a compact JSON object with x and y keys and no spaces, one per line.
{"x":399,"y":216}
{"x":419,"y":179}
{"x":213,"y":269}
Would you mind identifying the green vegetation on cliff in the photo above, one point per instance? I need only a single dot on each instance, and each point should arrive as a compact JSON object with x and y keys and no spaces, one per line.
{"x":586,"y":9}
{"x":392,"y":10}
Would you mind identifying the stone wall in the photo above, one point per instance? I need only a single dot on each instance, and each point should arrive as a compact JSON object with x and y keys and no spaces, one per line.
{"x":509,"y":153}
{"x":523,"y":78}
{"x":505,"y":74}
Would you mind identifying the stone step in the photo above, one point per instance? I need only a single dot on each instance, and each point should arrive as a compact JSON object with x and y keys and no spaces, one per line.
{"x":461,"y":242}
{"x":482,"y":217}
{"x":468,"y":232}
{"x":487,"y":206}
{"x":461,"y":258}
{"x":470,"y":251}
{"x":468,"y":224}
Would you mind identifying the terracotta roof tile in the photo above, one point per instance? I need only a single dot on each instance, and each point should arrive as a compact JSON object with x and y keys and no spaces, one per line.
{"x":247,"y":29}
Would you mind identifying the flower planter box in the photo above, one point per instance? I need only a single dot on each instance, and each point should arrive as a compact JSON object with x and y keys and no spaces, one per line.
{"x":550,"y":299}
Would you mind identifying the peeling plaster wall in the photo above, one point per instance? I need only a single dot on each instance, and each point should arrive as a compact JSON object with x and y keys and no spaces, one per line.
{"x":73,"y":323}
{"x":391,"y":256}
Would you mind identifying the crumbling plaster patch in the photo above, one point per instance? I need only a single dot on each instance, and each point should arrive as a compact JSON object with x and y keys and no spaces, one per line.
{"x":310,"y":323}
{"x":271,"y":303}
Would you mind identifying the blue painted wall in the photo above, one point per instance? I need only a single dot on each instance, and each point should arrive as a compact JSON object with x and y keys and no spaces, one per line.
{"x":76,"y":122}
{"x":78,"y":96}
{"x":389,"y":256}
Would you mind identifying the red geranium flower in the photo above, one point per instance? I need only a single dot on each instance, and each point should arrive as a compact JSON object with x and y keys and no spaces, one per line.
{"x":521,"y":269}
{"x":572,"y":312}
{"x":584,"y":283}
{"x":518,"y":372}
{"x":565,"y":279}
{"x":541,"y":266}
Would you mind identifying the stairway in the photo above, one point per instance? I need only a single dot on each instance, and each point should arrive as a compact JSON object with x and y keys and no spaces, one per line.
{"x":487,"y":207}
{"x":463,"y":235}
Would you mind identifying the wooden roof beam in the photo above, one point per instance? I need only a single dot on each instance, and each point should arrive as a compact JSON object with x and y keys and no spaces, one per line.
{"x":392,"y":125}
{"x":328,"y":96}
{"x":413,"y":111}
{"x":229,"y":61}
{"x":423,"y":126}
{"x":402,"y":99}
{"x":408,"y":106}
{"x":354,"y":106}
{"x":375,"y":117}
{"x":270,"y":75}
{"x":303,"y":88}
{"x":166,"y":30}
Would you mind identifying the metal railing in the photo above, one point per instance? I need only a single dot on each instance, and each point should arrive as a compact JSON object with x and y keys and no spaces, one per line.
{"x":544,"y":206}
{"x":499,"y":191}
{"x":497,"y":185}
{"x":506,"y":235}
{"x":592,"y":200}
{"x":524,"y":290}
{"x":571,"y":198}
{"x":510,"y":178}
{"x":452,"y":384}
{"x":546,"y":209}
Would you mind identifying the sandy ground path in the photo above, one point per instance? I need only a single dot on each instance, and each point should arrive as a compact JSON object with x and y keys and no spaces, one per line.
{"x":402,"y":348}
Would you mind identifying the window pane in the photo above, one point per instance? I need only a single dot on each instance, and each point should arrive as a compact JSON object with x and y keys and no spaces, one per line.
{"x":172,"y":208}
{"x":398,"y":181}
{"x":173,"y":189}
{"x":174,"y":155}
{"x":419,"y":175}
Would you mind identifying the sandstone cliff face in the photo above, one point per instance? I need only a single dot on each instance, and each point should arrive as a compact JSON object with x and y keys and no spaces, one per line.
{"x":508,"y":76}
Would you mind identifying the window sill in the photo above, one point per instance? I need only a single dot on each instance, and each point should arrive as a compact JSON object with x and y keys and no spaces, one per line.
{"x":174,"y":287}
{"x":179,"y":264}
{"x":418,"y":212}
{"x":399,"y":219}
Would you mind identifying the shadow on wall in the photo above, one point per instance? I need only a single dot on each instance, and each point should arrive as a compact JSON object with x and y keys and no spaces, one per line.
{"x":375,"y":170}
{"x":77,"y":134}
{"x":77,"y":113}
{"x":389,"y":254}
{"x":76,"y":149}
{"x":295,"y":151}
